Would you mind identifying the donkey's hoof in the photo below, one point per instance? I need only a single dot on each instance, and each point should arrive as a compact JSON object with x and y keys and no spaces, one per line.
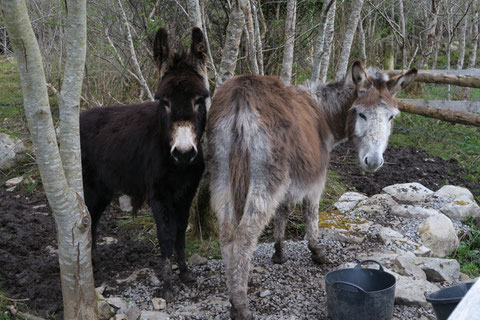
{"x":187,"y":277}
{"x":241,"y":313}
{"x":318,"y":255}
{"x":279,"y":258}
{"x":167,"y":294}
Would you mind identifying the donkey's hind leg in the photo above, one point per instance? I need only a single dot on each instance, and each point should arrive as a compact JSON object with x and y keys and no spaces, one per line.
{"x":280,"y":222}
{"x":310,"y":212}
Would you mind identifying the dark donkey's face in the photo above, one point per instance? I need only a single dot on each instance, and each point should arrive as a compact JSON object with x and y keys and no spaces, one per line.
{"x":182,"y":93}
{"x":371,"y":117}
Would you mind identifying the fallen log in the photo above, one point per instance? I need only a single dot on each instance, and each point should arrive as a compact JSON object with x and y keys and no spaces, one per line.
{"x":463,"y":80}
{"x":463,"y":117}
{"x":457,"y":105}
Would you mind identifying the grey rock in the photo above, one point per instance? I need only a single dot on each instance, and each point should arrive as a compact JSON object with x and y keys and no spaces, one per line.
{"x":439,"y":269}
{"x":349,"y":200}
{"x":265,"y":293}
{"x":121,"y":316}
{"x":133,"y":313}
{"x":411,"y":211}
{"x":438,"y":234}
{"x":159,"y":304}
{"x":411,"y":292}
{"x":154,"y":315}
{"x":125,"y":203}
{"x":406,"y":266}
{"x":413,"y":193}
{"x":197,"y":260}
{"x":117,"y":302}
{"x":461,"y":208}
{"x":388,"y":235}
{"x":340,"y":235}
{"x":454,"y":192}
{"x":376,"y":204}
{"x":422,"y":251}
{"x":11,"y":151}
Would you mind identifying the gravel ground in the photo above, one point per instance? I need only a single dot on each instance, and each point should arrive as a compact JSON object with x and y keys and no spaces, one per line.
{"x":294,"y":290}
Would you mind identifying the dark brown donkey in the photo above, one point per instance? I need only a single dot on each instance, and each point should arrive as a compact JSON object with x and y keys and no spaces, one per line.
{"x":151,"y":151}
{"x":269,"y":146}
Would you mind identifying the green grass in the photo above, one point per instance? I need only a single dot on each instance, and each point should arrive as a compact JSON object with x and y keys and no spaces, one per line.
{"x":468,"y":253}
{"x":440,"y":138}
{"x":11,"y":112}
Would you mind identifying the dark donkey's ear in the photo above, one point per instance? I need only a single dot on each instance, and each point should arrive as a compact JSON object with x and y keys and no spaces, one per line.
{"x":161,"y":51}
{"x":198,"y":50}
{"x":359,"y":76}
{"x":399,"y":82}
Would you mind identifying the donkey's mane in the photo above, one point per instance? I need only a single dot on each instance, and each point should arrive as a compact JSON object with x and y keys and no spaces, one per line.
{"x":180,"y":61}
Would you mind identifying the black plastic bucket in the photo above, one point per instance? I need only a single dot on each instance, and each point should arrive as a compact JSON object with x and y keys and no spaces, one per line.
{"x":444,"y":301}
{"x":360,"y":293}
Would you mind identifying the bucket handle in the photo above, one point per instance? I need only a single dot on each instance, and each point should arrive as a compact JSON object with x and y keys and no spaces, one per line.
{"x":360,"y":289}
{"x":358,"y":266}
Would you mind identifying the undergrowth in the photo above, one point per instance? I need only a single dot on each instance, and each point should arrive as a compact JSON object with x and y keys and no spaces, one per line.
{"x":468,"y":253}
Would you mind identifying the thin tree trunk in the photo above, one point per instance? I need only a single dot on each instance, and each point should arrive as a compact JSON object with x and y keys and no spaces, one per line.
{"x":327,"y":45}
{"x":437,"y":47}
{"x":319,"y":52}
{"x":363,"y":47}
{"x":348,"y":40}
{"x":133,"y":55}
{"x":475,"y":36}
{"x":286,"y":71}
{"x":403,"y":30}
{"x":232,"y":43}
{"x":462,"y":43}
{"x":194,"y":13}
{"x":430,"y":36}
{"x":258,"y":37}
{"x":251,"y":39}
{"x":71,"y":215}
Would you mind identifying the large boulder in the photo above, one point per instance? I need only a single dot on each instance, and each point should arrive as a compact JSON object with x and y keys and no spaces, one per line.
{"x":456,"y":202}
{"x":411,"y":292}
{"x":411,"y":193}
{"x":11,"y":151}
{"x":376,"y":204}
{"x":410,"y":211}
{"x":438,"y":234}
{"x":439,"y":269}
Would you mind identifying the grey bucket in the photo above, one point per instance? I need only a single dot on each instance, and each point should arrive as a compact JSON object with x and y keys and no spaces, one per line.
{"x":360,"y":293}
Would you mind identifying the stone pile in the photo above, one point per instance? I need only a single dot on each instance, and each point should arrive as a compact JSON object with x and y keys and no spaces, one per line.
{"x":408,"y":228}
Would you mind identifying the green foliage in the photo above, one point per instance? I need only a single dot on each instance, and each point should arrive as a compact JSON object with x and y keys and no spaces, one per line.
{"x":206,"y":248}
{"x":468,"y":253}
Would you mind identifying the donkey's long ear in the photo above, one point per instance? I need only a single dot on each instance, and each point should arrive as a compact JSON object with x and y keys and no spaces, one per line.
{"x":198,"y":50}
{"x":399,"y":82}
{"x":161,"y":50}
{"x":359,"y":76}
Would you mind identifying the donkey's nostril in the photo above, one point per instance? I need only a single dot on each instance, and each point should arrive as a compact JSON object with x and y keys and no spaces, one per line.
{"x":184,"y":157}
{"x":366,"y":161}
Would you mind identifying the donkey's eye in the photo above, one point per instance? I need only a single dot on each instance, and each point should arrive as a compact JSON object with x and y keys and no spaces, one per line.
{"x":165,"y":103}
{"x":390,"y":119}
{"x":199,"y":101}
{"x":361,"y":115}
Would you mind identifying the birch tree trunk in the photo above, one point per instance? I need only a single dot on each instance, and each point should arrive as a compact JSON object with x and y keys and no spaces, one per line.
{"x":363,"y":48}
{"x":232,"y":43}
{"x":194,"y":13}
{"x":319,"y":46}
{"x":62,"y":185}
{"x":475,"y":36}
{"x":327,"y":45}
{"x":250,"y":33}
{"x":258,"y":37}
{"x":462,"y":43}
{"x":403,"y":30}
{"x":286,"y":71}
{"x":348,"y":40}
{"x":430,"y":36}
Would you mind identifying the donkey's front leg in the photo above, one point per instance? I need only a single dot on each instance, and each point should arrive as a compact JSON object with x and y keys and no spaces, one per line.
{"x":166,"y":232}
{"x":186,"y":275}
{"x":310,"y":212}
{"x":280,"y":222}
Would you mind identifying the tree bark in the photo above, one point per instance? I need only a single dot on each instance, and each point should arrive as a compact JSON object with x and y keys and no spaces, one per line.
{"x":319,"y":52}
{"x":258,"y":36}
{"x":327,"y":45}
{"x":462,"y":43}
{"x":71,"y":215}
{"x":348,"y":40}
{"x":468,"y":118}
{"x":458,"y":80}
{"x":475,"y":36}
{"x":430,"y":35}
{"x":194,"y":13}
{"x":403,"y":30}
{"x":251,"y":39}
{"x":286,"y":71}
{"x":363,"y":46}
{"x":133,"y":55}
{"x":232,"y":43}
